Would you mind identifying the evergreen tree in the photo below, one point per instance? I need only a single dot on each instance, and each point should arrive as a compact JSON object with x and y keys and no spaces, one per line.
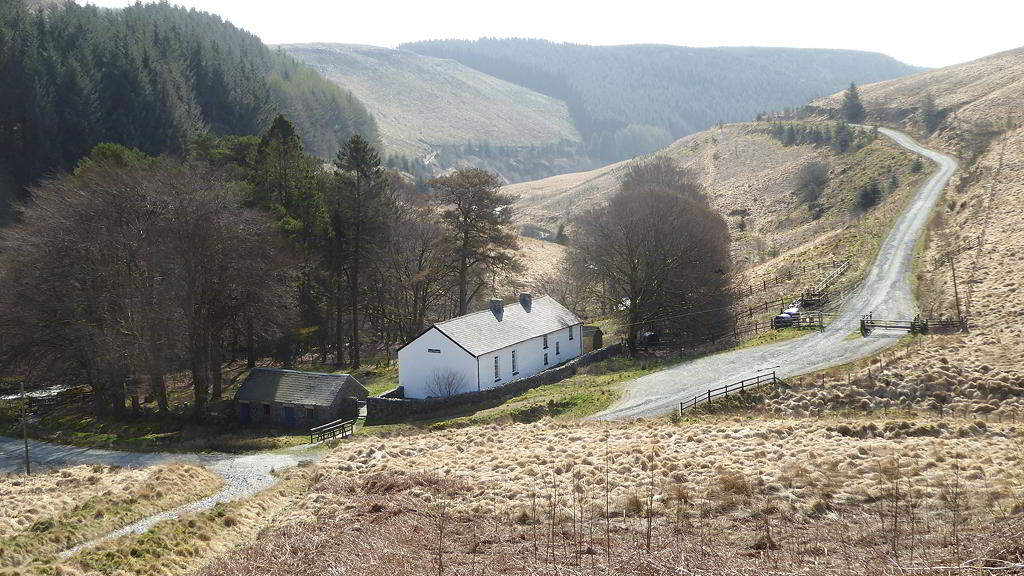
{"x":869,"y":196}
{"x":152,"y":77}
{"x":363,"y":207}
{"x":853,"y":110}
{"x":477,"y":218}
{"x":281,"y":170}
{"x":928,"y":118}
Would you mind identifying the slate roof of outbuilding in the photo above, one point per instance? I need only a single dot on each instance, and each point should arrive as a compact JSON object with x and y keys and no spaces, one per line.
{"x":482,"y":332}
{"x":296,"y":387}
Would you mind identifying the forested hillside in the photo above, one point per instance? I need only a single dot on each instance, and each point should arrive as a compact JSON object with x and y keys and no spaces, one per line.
{"x":630,"y":100}
{"x":151,"y":77}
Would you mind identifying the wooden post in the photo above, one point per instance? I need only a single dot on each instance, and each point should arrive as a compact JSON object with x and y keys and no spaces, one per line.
{"x":956,"y":292}
{"x":24,"y":429}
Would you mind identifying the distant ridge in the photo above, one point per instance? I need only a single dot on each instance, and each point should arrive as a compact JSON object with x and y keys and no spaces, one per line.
{"x":630,"y":100}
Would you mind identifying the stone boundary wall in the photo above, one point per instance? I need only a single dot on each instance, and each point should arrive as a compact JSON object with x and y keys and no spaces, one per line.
{"x":389,"y":407}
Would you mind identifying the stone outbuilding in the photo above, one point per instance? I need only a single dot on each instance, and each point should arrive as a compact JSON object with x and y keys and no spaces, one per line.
{"x":296,"y":399}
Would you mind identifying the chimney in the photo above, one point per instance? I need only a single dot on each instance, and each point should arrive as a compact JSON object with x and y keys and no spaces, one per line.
{"x":526,"y":299}
{"x":497,"y":308}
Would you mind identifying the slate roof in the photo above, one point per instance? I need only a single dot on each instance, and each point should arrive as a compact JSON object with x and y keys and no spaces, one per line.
{"x":481,"y":332}
{"x":295,"y":387}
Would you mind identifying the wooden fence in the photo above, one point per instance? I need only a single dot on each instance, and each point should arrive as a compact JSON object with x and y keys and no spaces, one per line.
{"x":915,"y":326}
{"x":343,"y":428}
{"x":741,"y":386}
{"x":763,"y":283}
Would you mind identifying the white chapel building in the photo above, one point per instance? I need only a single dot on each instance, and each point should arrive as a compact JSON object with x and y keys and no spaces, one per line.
{"x":489,"y":348}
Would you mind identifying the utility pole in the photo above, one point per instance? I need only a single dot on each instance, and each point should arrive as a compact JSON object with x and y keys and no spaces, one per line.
{"x":24,"y":428}
{"x":956,"y":292}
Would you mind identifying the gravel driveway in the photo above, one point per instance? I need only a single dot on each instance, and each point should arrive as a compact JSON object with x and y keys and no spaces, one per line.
{"x":885,"y":291}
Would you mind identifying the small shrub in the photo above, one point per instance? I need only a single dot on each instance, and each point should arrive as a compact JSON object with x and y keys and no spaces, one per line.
{"x":869,"y":196}
{"x":634,"y":505}
{"x":734,"y":483}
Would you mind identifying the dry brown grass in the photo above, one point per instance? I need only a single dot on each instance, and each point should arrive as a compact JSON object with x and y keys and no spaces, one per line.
{"x":742,"y":168}
{"x":977,"y":372}
{"x":46,"y":513}
{"x":731,"y":496}
{"x":976,"y":98}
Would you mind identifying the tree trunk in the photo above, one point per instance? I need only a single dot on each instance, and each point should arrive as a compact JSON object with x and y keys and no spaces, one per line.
{"x":354,"y":341}
{"x":136,"y":407}
{"x":117,"y":396}
{"x":216,"y":362}
{"x":463,"y":288}
{"x":631,"y":330}
{"x":250,"y":342}
{"x":200,"y":360}
{"x":200,"y":385}
{"x":339,"y":335}
{"x":158,"y":388}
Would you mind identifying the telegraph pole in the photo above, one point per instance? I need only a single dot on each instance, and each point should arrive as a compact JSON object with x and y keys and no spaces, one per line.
{"x":24,"y":428}
{"x":956,"y":292}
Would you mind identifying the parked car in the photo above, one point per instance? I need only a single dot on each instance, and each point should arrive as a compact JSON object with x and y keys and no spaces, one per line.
{"x":782,"y":321}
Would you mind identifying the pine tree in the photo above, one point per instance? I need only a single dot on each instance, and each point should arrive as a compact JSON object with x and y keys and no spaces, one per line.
{"x":364,"y":205}
{"x":478,"y":222}
{"x":927,"y":116}
{"x":853,"y":110}
{"x":282,"y":169}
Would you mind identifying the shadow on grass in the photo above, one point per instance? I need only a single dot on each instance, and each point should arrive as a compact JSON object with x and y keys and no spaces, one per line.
{"x":70,"y":425}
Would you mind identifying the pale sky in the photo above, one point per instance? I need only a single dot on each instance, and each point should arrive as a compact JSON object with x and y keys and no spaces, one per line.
{"x":923,"y":33}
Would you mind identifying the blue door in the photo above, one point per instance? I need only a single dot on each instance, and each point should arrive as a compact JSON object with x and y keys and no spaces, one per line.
{"x":245,"y":414}
{"x":289,"y":416}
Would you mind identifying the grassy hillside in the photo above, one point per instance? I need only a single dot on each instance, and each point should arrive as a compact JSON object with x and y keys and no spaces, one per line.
{"x":970,"y":103}
{"x":750,"y":177}
{"x":445,"y":113}
{"x":630,"y":100}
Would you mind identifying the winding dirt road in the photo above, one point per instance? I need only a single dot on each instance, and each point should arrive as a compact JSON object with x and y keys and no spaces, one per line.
{"x":885,"y":291}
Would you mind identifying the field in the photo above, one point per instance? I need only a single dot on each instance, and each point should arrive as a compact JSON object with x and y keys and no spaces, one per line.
{"x":730,"y":495}
{"x":46,"y":513}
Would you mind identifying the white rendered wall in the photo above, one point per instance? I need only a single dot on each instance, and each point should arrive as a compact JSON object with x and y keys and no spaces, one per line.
{"x":530,"y":357}
{"x":417,"y":366}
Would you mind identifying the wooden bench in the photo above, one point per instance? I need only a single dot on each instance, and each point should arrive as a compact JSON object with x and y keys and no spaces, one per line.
{"x":343,"y":428}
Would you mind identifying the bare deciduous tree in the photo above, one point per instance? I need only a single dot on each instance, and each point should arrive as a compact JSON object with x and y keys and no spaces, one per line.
{"x":446,"y":383}
{"x":123,"y":270}
{"x":657,"y":251}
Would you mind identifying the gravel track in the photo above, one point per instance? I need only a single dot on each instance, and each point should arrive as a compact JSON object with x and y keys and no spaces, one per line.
{"x":885,"y":291}
{"x":244,"y":475}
